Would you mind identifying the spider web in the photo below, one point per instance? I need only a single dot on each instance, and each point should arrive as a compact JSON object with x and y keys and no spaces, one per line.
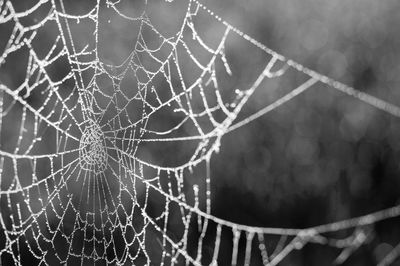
{"x":78,"y":185}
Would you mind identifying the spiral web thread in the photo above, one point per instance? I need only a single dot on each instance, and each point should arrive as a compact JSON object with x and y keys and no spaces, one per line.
{"x":89,"y":200}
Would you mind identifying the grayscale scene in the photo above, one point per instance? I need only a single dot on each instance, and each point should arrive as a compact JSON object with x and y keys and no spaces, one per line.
{"x":199,"y":132}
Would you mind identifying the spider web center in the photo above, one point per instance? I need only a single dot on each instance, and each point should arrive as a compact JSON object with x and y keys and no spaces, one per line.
{"x":92,"y":152}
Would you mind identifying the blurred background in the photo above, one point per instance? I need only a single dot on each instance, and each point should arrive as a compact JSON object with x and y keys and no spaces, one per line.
{"x":322,"y":157}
